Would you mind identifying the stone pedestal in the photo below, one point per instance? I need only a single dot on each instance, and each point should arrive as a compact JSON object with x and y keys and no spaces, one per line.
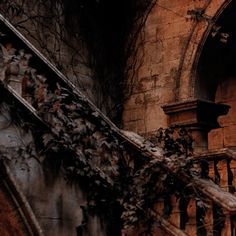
{"x":199,"y":116}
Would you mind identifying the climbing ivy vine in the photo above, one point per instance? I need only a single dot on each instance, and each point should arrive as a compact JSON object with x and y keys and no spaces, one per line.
{"x":90,"y":151}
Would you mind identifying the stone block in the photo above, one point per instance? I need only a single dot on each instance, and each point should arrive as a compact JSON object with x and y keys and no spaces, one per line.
{"x":215,"y":139}
{"x":229,"y":119}
{"x":135,"y":100}
{"x":226,"y":90}
{"x":174,"y":48}
{"x":230,"y":136}
{"x":145,"y":84}
{"x":133,"y":115}
{"x":151,"y":96}
{"x":155,"y":119}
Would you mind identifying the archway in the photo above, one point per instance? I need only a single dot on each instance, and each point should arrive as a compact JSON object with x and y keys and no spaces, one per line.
{"x":198,"y":37}
{"x":216,"y":76}
{"x":196,"y":104}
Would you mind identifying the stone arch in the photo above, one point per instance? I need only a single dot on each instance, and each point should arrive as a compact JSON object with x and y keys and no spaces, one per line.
{"x":215,"y":78}
{"x":216,"y":61}
{"x":188,"y":81}
{"x":195,"y":104}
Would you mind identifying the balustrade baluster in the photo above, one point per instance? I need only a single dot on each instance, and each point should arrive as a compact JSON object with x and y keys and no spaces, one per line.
{"x":222,"y":167}
{"x":175,"y":213}
{"x":233,"y":170}
{"x":211,"y":173}
{"x":208,"y":219}
{"x":191,"y":225}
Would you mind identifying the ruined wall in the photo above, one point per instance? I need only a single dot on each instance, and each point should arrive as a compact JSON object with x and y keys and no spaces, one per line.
{"x":55,"y":202}
{"x":172,"y":41}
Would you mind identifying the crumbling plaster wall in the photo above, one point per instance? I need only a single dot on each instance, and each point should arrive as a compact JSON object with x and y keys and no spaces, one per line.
{"x":172,"y":42}
{"x":55,"y":202}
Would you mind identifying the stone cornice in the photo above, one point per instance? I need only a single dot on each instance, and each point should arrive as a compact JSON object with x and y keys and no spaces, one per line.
{"x":195,"y":113}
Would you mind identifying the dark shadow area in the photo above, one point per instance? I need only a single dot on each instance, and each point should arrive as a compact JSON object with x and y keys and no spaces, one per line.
{"x":109,"y":30}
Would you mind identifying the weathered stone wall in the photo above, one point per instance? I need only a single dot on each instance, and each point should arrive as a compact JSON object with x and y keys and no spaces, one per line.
{"x":55,"y":202}
{"x":169,"y":48}
{"x":165,"y":37}
{"x":172,"y":42}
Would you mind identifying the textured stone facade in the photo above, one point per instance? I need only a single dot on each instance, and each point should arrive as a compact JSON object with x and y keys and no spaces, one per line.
{"x":173,"y":39}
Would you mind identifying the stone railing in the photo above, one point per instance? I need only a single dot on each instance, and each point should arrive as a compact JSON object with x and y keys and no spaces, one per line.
{"x":212,"y":210}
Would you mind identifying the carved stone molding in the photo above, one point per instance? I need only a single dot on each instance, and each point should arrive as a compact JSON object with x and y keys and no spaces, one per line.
{"x":198,"y":115}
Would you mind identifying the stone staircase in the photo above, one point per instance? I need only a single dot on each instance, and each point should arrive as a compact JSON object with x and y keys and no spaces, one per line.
{"x":72,"y":123}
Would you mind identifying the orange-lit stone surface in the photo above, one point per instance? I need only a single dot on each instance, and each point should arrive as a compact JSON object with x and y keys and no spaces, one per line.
{"x":10,"y":223}
{"x":166,"y":62}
